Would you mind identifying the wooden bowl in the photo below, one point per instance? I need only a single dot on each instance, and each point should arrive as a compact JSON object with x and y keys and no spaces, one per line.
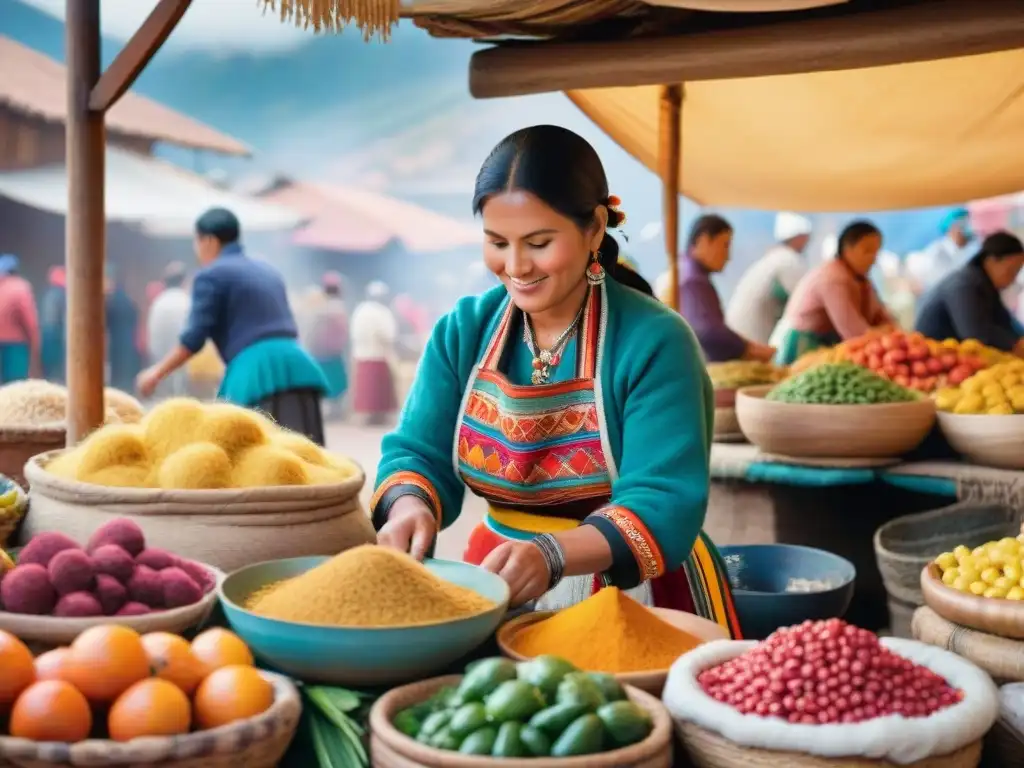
{"x":53,"y":631}
{"x":991,"y":441}
{"x":833,"y":431}
{"x":256,"y":742}
{"x":651,"y":682}
{"x":992,"y":615}
{"x":390,"y":748}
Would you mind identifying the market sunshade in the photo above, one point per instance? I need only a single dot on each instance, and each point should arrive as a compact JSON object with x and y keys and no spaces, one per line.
{"x":929,"y":133}
{"x":162,"y":199}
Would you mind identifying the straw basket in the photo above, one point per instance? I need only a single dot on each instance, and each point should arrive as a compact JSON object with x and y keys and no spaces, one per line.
{"x":1004,"y":618}
{"x":990,"y":441}
{"x":715,"y":735}
{"x":833,"y":431}
{"x":650,"y":682}
{"x":258,"y":742}
{"x":907,"y":544}
{"x":709,"y":750}
{"x":225,"y":528}
{"x":52,"y":631}
{"x":1001,"y":657}
{"x":19,"y":444}
{"x":389,"y":748}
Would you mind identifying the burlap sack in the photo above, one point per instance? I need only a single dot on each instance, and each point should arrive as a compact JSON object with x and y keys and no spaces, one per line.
{"x":224,"y":528}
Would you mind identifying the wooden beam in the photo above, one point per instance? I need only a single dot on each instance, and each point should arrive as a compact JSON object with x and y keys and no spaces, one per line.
{"x":136,"y":54}
{"x":85,"y":226}
{"x":928,"y":30}
{"x":669,"y":147}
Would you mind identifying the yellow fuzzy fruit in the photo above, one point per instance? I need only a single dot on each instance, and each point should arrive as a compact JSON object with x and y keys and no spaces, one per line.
{"x":978,"y":587}
{"x":950,"y":576}
{"x":989,"y":575}
{"x":1003,"y":583}
{"x":116,"y":445}
{"x":993,"y":592}
{"x":1015,"y":593}
{"x":232,"y":428}
{"x":172,"y":424}
{"x":946,"y":560}
{"x":196,"y":466}
{"x":961,"y":583}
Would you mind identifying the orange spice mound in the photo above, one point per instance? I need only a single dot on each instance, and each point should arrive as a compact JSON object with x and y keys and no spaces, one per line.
{"x":608,"y":632}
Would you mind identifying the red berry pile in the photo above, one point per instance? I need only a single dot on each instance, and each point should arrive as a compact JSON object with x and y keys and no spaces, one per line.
{"x":826,"y":672}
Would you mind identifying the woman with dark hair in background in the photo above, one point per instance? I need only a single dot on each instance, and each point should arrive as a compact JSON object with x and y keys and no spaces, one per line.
{"x":556,"y":388}
{"x":835,"y":300}
{"x":241,"y":305}
{"x":966,"y":304}
{"x":707,"y":252}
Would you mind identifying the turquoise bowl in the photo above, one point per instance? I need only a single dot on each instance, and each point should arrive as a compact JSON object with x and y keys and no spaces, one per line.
{"x":359,"y":656}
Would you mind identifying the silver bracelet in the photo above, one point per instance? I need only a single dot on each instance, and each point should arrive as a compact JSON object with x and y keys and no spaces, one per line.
{"x":553,"y":555}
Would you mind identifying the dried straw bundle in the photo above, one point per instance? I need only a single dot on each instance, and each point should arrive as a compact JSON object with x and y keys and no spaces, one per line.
{"x":372,"y":17}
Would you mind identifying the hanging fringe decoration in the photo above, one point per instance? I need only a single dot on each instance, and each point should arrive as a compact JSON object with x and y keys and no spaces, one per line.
{"x":374,"y":18}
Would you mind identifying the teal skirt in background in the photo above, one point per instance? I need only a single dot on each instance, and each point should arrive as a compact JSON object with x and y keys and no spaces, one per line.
{"x":269,"y":367}
{"x":14,"y":362}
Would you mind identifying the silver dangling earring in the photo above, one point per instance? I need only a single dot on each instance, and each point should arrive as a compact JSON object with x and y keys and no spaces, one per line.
{"x":595,"y":272}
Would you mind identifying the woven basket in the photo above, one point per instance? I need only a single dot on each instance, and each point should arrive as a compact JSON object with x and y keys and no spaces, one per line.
{"x":709,"y":750}
{"x":389,"y":748}
{"x":228,"y":529}
{"x":907,"y":544}
{"x":19,"y":444}
{"x":1000,"y":657}
{"x":649,"y":682}
{"x":259,"y":742}
{"x":46,"y":632}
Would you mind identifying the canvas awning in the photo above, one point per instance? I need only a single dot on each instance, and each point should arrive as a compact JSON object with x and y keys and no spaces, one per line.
{"x":161,"y":198}
{"x":929,"y":133}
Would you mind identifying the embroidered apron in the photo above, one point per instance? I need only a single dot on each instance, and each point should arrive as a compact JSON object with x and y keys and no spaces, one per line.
{"x":539,"y":455}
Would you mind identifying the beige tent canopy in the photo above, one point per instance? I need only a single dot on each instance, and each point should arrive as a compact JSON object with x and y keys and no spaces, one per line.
{"x":928,"y":133}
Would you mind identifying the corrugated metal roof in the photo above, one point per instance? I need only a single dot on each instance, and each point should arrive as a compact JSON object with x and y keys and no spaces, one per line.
{"x":162,"y":199}
{"x":35,"y":84}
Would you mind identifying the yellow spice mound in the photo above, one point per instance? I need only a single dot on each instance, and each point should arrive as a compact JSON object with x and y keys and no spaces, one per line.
{"x":368,"y":586}
{"x":232,"y":428}
{"x":269,"y":465}
{"x":187,"y":445}
{"x":171,"y":425}
{"x":195,"y":466}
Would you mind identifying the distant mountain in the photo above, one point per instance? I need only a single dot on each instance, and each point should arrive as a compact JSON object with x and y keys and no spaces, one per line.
{"x":398,"y":117}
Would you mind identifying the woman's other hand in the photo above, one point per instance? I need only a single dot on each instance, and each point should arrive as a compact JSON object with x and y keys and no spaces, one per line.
{"x":147,"y":381}
{"x":410,"y":528}
{"x":760,"y":352}
{"x":522,"y":566}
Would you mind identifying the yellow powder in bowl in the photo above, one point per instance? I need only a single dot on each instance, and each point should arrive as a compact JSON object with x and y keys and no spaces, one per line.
{"x":608,"y":632}
{"x":233,"y":428}
{"x":266,"y":465}
{"x":195,"y":466}
{"x":172,"y":424}
{"x":368,"y":586}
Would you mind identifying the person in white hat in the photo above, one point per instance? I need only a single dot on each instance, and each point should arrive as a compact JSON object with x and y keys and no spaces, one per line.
{"x":760,"y":297}
{"x":374,"y":332}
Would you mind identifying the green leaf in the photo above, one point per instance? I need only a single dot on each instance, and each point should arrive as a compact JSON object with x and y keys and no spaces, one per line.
{"x":344,"y":751}
{"x":345,"y":726}
{"x":343,"y":699}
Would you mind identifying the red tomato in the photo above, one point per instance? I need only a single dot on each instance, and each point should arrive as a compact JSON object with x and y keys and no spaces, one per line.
{"x":903,"y":370}
{"x":928,"y":384}
{"x":889,"y":342}
{"x":874,"y":362}
{"x":959,"y":374}
{"x":949,"y":360}
{"x":920,"y":369}
{"x":917,"y":352}
{"x":860,"y":358}
{"x":873,"y":348}
{"x":888,"y":369}
{"x":903,"y":381}
{"x":885,"y":374}
{"x":935,"y":365}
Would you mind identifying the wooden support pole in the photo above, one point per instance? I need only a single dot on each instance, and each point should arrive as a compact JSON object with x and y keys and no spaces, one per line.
{"x":136,"y":54}
{"x":85,"y":227}
{"x":893,"y":35}
{"x":669,"y":149}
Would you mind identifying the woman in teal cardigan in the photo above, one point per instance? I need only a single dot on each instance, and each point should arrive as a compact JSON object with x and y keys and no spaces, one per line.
{"x":572,"y":401}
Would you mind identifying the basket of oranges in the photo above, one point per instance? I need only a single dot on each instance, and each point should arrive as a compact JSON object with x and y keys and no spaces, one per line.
{"x":117,"y":698}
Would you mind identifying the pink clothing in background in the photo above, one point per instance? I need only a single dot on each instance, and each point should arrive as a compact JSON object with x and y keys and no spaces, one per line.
{"x":832,"y":299}
{"x":410,"y":313}
{"x":19,"y":319}
{"x":58,"y":277}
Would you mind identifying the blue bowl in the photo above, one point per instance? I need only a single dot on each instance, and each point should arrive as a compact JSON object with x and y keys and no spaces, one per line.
{"x":359,"y":656}
{"x":760,"y":574}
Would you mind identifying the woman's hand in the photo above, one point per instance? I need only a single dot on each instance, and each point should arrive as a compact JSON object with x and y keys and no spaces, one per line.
{"x":410,"y":528}
{"x":759,"y":352}
{"x":523,"y":568}
{"x":147,"y":381}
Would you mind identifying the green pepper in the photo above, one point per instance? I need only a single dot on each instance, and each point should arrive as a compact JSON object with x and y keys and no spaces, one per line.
{"x":445,"y":739}
{"x":584,"y":736}
{"x":553,"y":720}
{"x":545,"y":672}
{"x":513,"y":700}
{"x":480,"y":742}
{"x":579,"y":688}
{"x":509,"y":742}
{"x":434,"y":723}
{"x":534,"y":739}
{"x":625,"y":722}
{"x":609,"y":686}
{"x":468,"y":718}
{"x":408,"y":723}
{"x":484,"y":677}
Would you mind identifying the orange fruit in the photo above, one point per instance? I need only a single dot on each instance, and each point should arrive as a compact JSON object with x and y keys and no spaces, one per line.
{"x":151,"y":707}
{"x":17,"y":669}
{"x":218,"y":648}
{"x":106,"y":661}
{"x":231,"y":693}
{"x":171,"y":659}
{"x":51,"y":710}
{"x":53,"y":665}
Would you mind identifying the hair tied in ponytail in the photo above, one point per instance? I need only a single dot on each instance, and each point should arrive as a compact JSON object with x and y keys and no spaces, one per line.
{"x":612,"y":203}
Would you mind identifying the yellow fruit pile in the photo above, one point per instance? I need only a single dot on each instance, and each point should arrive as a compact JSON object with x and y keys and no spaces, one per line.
{"x":744,"y":373}
{"x":185,"y":444}
{"x":998,"y":391}
{"x":994,"y":569}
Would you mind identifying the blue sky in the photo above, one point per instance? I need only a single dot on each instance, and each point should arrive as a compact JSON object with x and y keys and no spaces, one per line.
{"x":396,"y":116}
